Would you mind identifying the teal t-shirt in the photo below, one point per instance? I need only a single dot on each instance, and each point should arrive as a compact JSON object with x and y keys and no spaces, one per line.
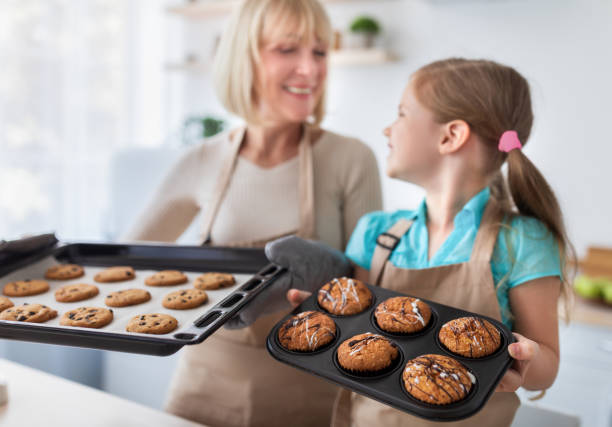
{"x":524,"y":251}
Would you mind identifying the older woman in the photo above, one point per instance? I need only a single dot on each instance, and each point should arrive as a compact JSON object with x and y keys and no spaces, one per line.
{"x":278,"y":175}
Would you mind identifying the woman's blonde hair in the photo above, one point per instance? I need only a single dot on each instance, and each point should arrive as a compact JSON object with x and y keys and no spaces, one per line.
{"x":493,"y":98}
{"x":237,"y":57}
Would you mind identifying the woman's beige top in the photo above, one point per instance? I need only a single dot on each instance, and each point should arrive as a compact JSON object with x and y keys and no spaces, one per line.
{"x":261,"y":202}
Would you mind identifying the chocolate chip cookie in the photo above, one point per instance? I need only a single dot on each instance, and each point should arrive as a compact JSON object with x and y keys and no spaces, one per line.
{"x":33,"y":313}
{"x":5,"y":303}
{"x":152,"y":324}
{"x":115,"y":274}
{"x":166,"y":278}
{"x":64,"y":272}
{"x":127,"y":297}
{"x":87,"y":317}
{"x":185,"y":298}
{"x":75,"y":292}
{"x":210,"y":281}
{"x":24,"y":288}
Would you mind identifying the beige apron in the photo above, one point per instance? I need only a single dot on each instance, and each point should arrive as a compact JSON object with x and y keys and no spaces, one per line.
{"x":231,"y":380}
{"x":469,"y":286}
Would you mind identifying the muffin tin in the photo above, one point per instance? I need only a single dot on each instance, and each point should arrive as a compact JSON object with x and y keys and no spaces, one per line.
{"x":387,"y":387}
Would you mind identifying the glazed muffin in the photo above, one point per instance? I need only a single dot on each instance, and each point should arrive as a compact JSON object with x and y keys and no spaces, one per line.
{"x":367,"y":354}
{"x":344,"y":296}
{"x":403,"y":315}
{"x":308,"y":331}
{"x":437,"y":379}
{"x":470,"y":337}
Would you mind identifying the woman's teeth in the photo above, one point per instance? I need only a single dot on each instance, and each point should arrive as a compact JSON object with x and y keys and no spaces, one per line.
{"x":299,"y":90}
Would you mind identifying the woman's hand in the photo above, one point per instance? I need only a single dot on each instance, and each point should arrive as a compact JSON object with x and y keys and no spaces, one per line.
{"x":523,"y":351}
{"x":296,"y":297}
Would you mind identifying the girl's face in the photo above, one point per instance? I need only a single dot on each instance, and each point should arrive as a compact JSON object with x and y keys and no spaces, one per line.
{"x":413,"y":140}
{"x":290,"y":79}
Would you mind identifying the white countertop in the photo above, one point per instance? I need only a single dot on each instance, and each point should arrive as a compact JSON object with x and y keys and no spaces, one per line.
{"x":38,"y":398}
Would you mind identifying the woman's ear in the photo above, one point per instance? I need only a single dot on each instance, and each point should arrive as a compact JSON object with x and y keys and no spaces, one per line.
{"x":455,"y":134}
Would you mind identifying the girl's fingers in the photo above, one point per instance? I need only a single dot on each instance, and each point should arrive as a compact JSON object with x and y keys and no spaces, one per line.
{"x":511,"y":381}
{"x":524,"y":349}
{"x":296,"y":297}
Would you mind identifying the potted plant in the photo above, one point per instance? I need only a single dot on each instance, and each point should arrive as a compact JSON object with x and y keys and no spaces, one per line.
{"x":197,"y":127}
{"x":365,"y":28}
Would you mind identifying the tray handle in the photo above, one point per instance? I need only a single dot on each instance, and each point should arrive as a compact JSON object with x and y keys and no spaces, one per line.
{"x":224,"y":310}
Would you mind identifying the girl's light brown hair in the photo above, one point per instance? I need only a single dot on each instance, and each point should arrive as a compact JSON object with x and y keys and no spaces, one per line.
{"x":493,"y":98}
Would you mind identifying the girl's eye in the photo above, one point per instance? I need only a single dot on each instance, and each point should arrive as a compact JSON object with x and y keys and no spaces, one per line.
{"x":320,"y":52}
{"x":286,"y":50}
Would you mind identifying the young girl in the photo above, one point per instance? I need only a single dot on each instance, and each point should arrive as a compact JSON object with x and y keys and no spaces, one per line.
{"x":470,"y":243}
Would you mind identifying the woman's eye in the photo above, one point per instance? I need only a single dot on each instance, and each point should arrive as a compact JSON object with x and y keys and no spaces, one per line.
{"x":286,"y":50}
{"x":320,"y":52}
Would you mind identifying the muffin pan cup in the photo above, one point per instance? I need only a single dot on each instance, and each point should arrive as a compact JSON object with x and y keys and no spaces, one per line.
{"x":250,"y":267}
{"x":388,"y":387}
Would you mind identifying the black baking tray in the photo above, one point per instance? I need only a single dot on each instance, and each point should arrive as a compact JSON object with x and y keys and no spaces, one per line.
{"x":157,"y":257}
{"x":388,"y":388}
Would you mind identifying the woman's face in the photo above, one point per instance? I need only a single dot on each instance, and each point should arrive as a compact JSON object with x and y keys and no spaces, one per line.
{"x":290,"y":79}
{"x":413,"y":140}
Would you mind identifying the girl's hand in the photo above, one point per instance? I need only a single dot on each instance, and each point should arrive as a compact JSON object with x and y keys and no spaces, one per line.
{"x":296,"y":297}
{"x":523,"y":351}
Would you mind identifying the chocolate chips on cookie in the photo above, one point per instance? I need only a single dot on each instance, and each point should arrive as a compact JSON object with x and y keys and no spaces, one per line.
{"x":152,"y":324}
{"x":34,"y":313}
{"x":115,"y":274}
{"x":87,"y":317}
{"x":24,"y":288}
{"x":64,"y":272}
{"x":184,"y":299}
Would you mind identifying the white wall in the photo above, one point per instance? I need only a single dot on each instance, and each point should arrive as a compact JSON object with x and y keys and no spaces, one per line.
{"x":561,"y":46}
{"x":564,"y":49}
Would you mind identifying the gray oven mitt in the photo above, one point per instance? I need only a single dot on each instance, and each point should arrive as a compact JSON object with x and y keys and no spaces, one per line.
{"x":309,"y":266}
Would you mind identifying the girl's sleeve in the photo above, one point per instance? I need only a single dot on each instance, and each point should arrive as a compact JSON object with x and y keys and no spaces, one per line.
{"x":533,"y":252}
{"x":360,"y":248}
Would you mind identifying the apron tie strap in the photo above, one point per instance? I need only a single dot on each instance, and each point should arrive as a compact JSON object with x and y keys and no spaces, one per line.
{"x":486,"y":237}
{"x":385,"y":244}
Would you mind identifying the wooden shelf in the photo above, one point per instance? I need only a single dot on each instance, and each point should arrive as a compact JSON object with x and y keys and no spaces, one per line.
{"x":343,"y":57}
{"x":348,"y":57}
{"x":206,"y":8}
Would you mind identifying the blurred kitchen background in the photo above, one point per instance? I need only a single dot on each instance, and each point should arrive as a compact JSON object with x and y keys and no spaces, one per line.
{"x":98,"y":96}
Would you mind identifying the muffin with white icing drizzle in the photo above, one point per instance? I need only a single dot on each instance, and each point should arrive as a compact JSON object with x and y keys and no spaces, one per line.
{"x":470,"y":337}
{"x":404,"y":315}
{"x":307,"y":331}
{"x":367,"y":354}
{"x":344,"y":296}
{"x":437,"y":379}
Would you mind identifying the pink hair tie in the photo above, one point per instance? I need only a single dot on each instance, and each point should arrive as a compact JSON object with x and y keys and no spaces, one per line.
{"x":509,"y":141}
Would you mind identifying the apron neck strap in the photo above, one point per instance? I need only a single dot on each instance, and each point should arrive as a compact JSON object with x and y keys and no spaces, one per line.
{"x":486,"y":237}
{"x":306,"y":184}
{"x":385,"y":244}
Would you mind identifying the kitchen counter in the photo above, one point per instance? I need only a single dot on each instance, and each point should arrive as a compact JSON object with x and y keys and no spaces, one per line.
{"x":38,"y":398}
{"x":591,"y":313}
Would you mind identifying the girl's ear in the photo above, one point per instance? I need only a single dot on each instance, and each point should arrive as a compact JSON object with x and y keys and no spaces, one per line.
{"x":455,"y":134}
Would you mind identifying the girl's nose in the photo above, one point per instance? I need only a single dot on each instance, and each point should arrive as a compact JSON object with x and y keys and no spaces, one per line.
{"x":387,"y":131}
